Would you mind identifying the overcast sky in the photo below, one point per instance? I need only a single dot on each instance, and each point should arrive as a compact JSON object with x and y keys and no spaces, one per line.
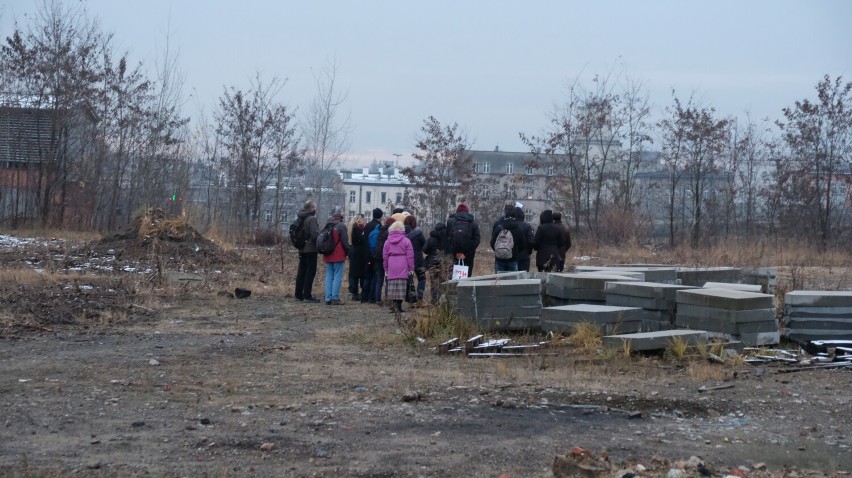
{"x":494,"y":67}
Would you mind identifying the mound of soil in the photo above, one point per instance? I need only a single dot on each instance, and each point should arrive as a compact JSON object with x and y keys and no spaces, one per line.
{"x":172,"y":239}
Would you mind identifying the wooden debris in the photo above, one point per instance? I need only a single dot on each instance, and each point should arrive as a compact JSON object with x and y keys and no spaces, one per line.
{"x":445,"y":347}
{"x":704,"y":388}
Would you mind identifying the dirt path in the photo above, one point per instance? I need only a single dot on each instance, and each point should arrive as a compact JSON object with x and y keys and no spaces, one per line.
{"x":198,"y":388}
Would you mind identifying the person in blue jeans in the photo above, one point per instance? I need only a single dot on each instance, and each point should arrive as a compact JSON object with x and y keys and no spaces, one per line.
{"x":335,"y":261}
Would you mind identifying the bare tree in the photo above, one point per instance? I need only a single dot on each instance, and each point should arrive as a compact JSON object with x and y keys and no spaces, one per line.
{"x":443,"y":172}
{"x":54,"y":67}
{"x":257,"y":140}
{"x":325,"y":131}
{"x":819,"y":137}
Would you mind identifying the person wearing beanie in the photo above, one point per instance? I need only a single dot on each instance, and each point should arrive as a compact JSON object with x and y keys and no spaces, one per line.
{"x":398,"y":261}
{"x":463,"y":236}
{"x":566,"y":240}
{"x":418,"y":242}
{"x":368,"y":294}
{"x":378,"y":260}
{"x":549,"y":241}
{"x":519,"y":241}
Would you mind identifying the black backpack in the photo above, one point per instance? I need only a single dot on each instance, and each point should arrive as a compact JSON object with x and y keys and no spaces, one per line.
{"x":299,"y":233}
{"x":325,"y":240}
{"x":461,"y":236}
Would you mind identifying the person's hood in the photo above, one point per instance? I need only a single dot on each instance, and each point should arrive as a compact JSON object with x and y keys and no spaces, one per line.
{"x":334,"y":219}
{"x":395,"y":237}
{"x":519,"y":214}
{"x":464,"y":216}
{"x":545,"y":217}
{"x":510,"y":223}
{"x":304,"y":213}
{"x":439,"y":230}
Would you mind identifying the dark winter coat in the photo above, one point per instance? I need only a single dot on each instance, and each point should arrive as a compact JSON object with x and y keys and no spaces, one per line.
{"x":436,"y":245}
{"x":520,"y":242}
{"x":360,"y":250}
{"x":418,"y":242}
{"x":474,"y":230}
{"x":566,"y":239}
{"x":312,"y":228}
{"x":523,"y":225}
{"x":549,"y":241}
{"x":367,"y":229}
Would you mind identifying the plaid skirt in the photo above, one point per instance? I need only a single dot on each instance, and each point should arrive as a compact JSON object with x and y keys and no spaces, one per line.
{"x":396,"y":289}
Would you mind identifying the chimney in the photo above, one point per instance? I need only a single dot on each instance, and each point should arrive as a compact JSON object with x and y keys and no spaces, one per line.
{"x":496,"y":149}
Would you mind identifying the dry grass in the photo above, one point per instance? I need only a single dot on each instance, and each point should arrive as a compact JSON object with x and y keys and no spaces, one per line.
{"x":677,"y":348}
{"x":586,"y":336}
{"x":440,"y":322}
{"x":83,"y":236}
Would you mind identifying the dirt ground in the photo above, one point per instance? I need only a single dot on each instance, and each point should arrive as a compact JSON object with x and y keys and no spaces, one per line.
{"x":103,"y":372}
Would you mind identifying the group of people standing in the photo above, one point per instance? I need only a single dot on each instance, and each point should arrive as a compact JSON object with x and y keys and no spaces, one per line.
{"x":393,"y":253}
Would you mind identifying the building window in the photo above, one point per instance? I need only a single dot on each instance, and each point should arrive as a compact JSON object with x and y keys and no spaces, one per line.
{"x":529,"y":170}
{"x":399,"y":198}
{"x":352,"y":196}
{"x":486,"y":167}
{"x":530,"y":193}
{"x":384,"y":197}
{"x":550,"y":170}
{"x":369,"y":197}
{"x":485,"y":192}
{"x":268,"y":217}
{"x":475,"y":168}
{"x":510,"y":168}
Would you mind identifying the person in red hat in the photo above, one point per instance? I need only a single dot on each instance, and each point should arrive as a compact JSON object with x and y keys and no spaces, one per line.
{"x":463,"y":236}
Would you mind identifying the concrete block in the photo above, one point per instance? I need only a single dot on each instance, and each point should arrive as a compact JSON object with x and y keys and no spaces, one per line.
{"x":479,"y":311}
{"x":759,"y":339}
{"x":655,"y":340}
{"x":589,"y":280}
{"x":650,"y":274}
{"x":500,"y":276}
{"x":643,"y":302}
{"x":726,"y":299}
{"x":574,"y":293}
{"x":498,"y":288}
{"x":699,"y":275}
{"x":728,"y":285}
{"x":803,"y":336}
{"x":632,"y":275}
{"x":827,"y":312}
{"x":597,"y":314}
{"x":817,"y":298}
{"x":796,"y":323}
{"x":645,"y":289}
{"x":728,"y":315}
{"x":750,"y":328}
{"x":501,"y":324}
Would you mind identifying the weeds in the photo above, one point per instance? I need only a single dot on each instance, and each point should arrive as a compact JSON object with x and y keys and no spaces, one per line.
{"x":586,"y":336}
{"x":677,"y":348}
{"x":442,"y":321}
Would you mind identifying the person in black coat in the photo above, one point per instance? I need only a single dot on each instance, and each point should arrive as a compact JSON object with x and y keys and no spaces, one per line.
{"x":566,"y":240}
{"x":437,"y":259}
{"x":418,"y":242}
{"x":549,"y":241}
{"x":368,"y":295}
{"x":467,"y":250}
{"x":358,"y":257}
{"x":524,"y":255}
{"x":519,"y":241}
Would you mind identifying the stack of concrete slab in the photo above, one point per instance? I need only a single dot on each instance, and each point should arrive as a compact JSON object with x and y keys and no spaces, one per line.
{"x":657,"y":301}
{"x":666,"y":275}
{"x":580,"y":288}
{"x":748,"y":317}
{"x":697,"y":276}
{"x":818,"y":315}
{"x":500,"y":305}
{"x":610,"y":319}
{"x":762,"y":276}
{"x":449,"y":287}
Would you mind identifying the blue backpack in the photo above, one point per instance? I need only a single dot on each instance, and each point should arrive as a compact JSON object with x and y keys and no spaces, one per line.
{"x":373,"y":239}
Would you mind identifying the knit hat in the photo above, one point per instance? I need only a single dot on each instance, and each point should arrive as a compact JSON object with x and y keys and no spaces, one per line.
{"x":378,"y":213}
{"x":462,"y":208}
{"x":389,"y":221}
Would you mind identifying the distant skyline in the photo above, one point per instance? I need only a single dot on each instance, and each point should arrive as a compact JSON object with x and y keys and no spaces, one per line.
{"x":494,"y":67}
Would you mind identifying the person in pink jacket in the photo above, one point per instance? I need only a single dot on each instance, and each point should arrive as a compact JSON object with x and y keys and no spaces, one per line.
{"x":398,"y":260}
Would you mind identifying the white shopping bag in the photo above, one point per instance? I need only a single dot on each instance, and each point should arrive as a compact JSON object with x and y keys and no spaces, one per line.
{"x":460,"y":270}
